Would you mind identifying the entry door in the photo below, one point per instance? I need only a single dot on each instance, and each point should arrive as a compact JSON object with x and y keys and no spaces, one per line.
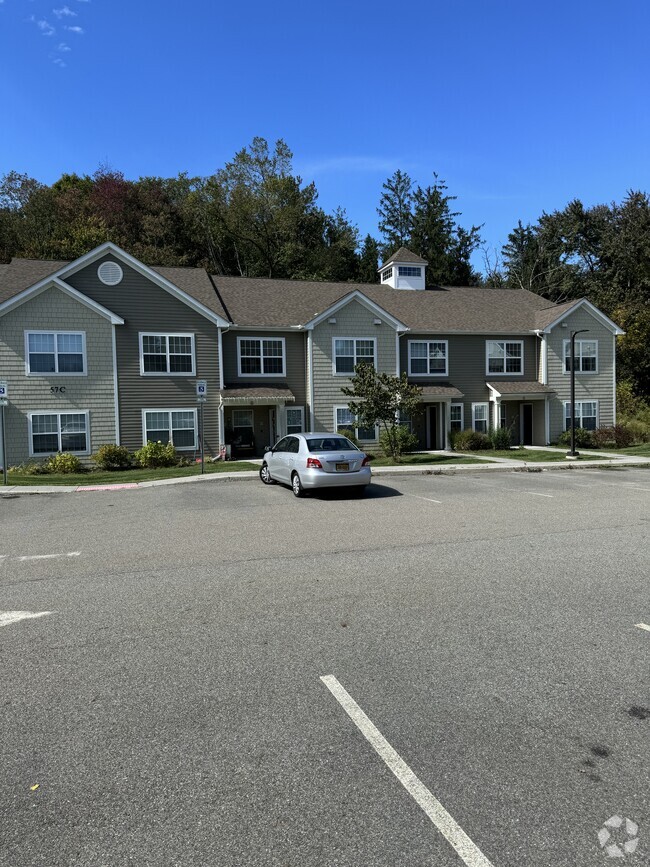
{"x":527,"y":424}
{"x":432,"y":433}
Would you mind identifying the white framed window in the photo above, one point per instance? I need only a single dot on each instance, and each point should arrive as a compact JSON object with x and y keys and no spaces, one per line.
{"x":386,"y":274}
{"x":176,"y":426}
{"x":242,"y":422}
{"x":294,"y":417}
{"x":344,"y":420}
{"x":456,"y":420}
{"x":347,"y":352}
{"x":409,"y":271}
{"x":480,"y":416}
{"x":504,"y":356}
{"x":55,"y":353}
{"x":51,"y":432}
{"x":586,"y":414}
{"x":428,"y":357}
{"x":261,"y":356}
{"x":166,"y":354}
{"x":585,"y":356}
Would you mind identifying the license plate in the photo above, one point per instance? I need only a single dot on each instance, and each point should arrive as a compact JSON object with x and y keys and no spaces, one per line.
{"x":342,"y":468}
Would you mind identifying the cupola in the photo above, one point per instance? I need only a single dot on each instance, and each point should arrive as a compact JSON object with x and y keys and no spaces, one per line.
{"x":403,"y":270}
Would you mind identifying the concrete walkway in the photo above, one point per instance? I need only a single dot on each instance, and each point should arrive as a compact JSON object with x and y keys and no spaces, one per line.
{"x":491,"y":464}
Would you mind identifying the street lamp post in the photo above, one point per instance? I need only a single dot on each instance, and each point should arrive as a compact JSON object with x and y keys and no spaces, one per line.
{"x":573,"y":453}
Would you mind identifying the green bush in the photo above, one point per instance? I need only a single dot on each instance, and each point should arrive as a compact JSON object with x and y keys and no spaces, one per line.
{"x":112,"y":457}
{"x":349,"y":434}
{"x":617,"y":437}
{"x":584,"y":438}
{"x":405,"y":442}
{"x":30,"y":468}
{"x":154,"y":455}
{"x":469,"y":441}
{"x":501,"y":438}
{"x":64,"y":463}
{"x":639,"y":430}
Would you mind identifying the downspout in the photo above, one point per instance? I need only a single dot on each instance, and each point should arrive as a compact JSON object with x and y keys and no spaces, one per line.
{"x":310,"y":375}
{"x":222,"y":428}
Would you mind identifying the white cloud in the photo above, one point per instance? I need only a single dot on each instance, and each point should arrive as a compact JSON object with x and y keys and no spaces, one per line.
{"x":58,"y":62}
{"x":44,"y":26}
{"x":77,"y":30}
{"x":64,"y":12}
{"x":63,"y":47}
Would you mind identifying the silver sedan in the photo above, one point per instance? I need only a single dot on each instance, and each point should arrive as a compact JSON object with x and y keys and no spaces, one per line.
{"x":309,"y":461}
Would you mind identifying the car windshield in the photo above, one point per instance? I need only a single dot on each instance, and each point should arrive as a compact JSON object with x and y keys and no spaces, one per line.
{"x":330,"y":444}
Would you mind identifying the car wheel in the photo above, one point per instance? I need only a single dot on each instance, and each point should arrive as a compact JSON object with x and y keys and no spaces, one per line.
{"x":296,"y":486}
{"x":265,"y":475}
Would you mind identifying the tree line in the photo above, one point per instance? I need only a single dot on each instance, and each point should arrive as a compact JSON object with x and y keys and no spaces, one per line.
{"x":255,"y":217}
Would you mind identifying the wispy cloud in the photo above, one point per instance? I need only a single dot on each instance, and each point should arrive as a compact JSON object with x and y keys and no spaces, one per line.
{"x":59,"y":62}
{"x":44,"y":26}
{"x":63,"y":47}
{"x":76,"y":29}
{"x":64,"y":12}
{"x":350,"y":164}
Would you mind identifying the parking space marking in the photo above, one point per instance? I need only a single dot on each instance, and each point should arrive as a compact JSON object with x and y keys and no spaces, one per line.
{"x":643,"y":626}
{"x":535,"y":494}
{"x":8,"y":617}
{"x":469,"y":853}
{"x":428,"y":499}
{"x":40,"y":556}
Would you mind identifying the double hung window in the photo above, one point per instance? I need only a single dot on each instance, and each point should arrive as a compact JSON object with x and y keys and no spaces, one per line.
{"x":344,"y":420}
{"x":428,"y":357}
{"x":58,"y":432}
{"x":56,"y":352}
{"x":505,"y":356}
{"x":167,"y":354}
{"x":350,"y":351}
{"x":456,"y":417}
{"x":586,"y":414}
{"x":480,"y":417}
{"x":585,"y":356}
{"x":261,"y":356}
{"x":176,"y":426}
{"x":295,"y":419}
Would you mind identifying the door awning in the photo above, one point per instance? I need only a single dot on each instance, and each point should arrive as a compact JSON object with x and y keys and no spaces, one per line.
{"x":519,"y":390}
{"x":256,"y":394}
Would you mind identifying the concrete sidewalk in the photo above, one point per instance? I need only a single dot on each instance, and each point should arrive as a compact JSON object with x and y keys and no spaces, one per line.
{"x":491,"y":464}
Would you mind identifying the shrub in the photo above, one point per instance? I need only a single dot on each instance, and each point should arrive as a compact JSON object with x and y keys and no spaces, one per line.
{"x":469,"y":441}
{"x":349,"y":434}
{"x":584,"y":438}
{"x":639,"y":430}
{"x":63,"y":462}
{"x":405,"y":441}
{"x":154,"y":455}
{"x":30,"y":468}
{"x":501,"y":438}
{"x":618,"y":437}
{"x":112,"y":457}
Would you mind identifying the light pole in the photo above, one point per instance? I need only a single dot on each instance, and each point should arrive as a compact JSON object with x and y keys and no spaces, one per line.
{"x":573,"y":453}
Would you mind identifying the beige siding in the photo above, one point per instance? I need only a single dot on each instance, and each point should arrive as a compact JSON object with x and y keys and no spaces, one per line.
{"x":589,"y":386}
{"x":296,"y":362}
{"x":145,"y":307}
{"x":353,"y":320}
{"x":53,"y":310}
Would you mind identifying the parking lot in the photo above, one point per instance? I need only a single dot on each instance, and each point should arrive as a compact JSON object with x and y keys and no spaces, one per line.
{"x":452,"y":670}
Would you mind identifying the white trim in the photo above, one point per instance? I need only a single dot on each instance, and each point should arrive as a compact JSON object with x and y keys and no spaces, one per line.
{"x":356,"y":295}
{"x":56,"y":373}
{"x":489,"y":372}
{"x":547,"y":421}
{"x":544,"y":352}
{"x":578,"y":403}
{"x":487,"y":415}
{"x":58,"y":413}
{"x":355,"y":423}
{"x":52,"y":282}
{"x":596,"y":313}
{"x":614,"y":380}
{"x":170,"y":410}
{"x":261,"y":340}
{"x":398,"y":365}
{"x":462,"y":415}
{"x":354,"y":339}
{"x":287,"y":409}
{"x":310,"y":373}
{"x":116,"y":392}
{"x":120,"y":273}
{"x":167,"y":334}
{"x":220,"y":333}
{"x":445,"y":373}
{"x":566,"y":344}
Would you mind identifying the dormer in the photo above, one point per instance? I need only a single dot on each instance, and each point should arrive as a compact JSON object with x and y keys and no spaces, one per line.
{"x":403,"y":270}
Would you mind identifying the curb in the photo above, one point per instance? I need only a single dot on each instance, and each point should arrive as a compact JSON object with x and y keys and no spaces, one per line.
{"x":422,"y":470}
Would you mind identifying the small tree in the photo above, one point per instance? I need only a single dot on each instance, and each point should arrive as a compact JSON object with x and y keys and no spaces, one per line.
{"x":380,"y":399}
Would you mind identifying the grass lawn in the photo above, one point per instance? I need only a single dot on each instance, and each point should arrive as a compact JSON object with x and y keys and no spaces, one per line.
{"x":642,"y":451}
{"x":531,"y":455}
{"x":121,"y":477}
{"x":414,"y":460}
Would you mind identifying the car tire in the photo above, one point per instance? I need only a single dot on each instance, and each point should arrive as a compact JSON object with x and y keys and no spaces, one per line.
{"x":296,"y":486}
{"x":265,"y":475}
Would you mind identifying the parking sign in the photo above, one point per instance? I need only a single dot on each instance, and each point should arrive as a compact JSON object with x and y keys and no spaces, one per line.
{"x":201,"y":388}
{"x":4,"y":391}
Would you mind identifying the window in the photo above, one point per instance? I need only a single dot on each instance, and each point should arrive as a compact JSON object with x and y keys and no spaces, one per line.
{"x":456,"y":417}
{"x":585,"y":356}
{"x":386,"y":274}
{"x":261,"y":356}
{"x":409,"y":271}
{"x":58,"y":432}
{"x":295,"y":419}
{"x":480,"y":417}
{"x":428,"y":358}
{"x":242,"y":422}
{"x":348,"y":352}
{"x":59,"y":352}
{"x":166,"y":354}
{"x":505,"y":356}
{"x":176,"y":426}
{"x":586,"y":414}
{"x":344,"y":420}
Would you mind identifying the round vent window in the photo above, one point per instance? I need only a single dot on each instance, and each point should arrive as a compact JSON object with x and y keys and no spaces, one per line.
{"x":110,"y":273}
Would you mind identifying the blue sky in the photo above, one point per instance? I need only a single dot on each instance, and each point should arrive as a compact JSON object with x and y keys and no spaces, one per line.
{"x":520,"y":106}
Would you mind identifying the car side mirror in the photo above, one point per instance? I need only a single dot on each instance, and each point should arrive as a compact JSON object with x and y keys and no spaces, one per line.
{"x":268,"y":449}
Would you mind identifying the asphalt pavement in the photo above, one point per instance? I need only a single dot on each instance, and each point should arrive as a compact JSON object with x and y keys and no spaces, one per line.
{"x":167,"y":705}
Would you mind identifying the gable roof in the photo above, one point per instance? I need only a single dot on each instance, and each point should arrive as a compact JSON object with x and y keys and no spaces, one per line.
{"x":551,"y":316}
{"x":404,"y":255}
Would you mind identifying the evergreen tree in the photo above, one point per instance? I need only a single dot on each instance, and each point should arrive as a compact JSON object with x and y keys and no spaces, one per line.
{"x":395,"y":213}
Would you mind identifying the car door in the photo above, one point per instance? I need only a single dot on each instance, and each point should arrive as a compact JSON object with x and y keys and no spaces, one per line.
{"x":277,"y":461}
{"x":291,"y":455}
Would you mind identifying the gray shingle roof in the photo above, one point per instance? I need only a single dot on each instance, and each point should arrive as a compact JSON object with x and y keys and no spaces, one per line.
{"x":197,"y":283}
{"x":440,"y":391}
{"x":20,"y":274}
{"x":255,"y":392}
{"x":404,"y":255}
{"x":529,"y":387}
{"x":547,"y":316}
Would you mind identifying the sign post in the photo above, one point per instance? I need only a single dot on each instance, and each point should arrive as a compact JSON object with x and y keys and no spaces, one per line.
{"x":201,"y":397}
{"x":4,"y":393}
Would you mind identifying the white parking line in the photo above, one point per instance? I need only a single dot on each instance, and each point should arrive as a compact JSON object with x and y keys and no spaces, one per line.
{"x":469,"y":853}
{"x":643,"y":626}
{"x":40,"y":556}
{"x":535,"y":494}
{"x":7,"y":617}
{"x":428,"y":499}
